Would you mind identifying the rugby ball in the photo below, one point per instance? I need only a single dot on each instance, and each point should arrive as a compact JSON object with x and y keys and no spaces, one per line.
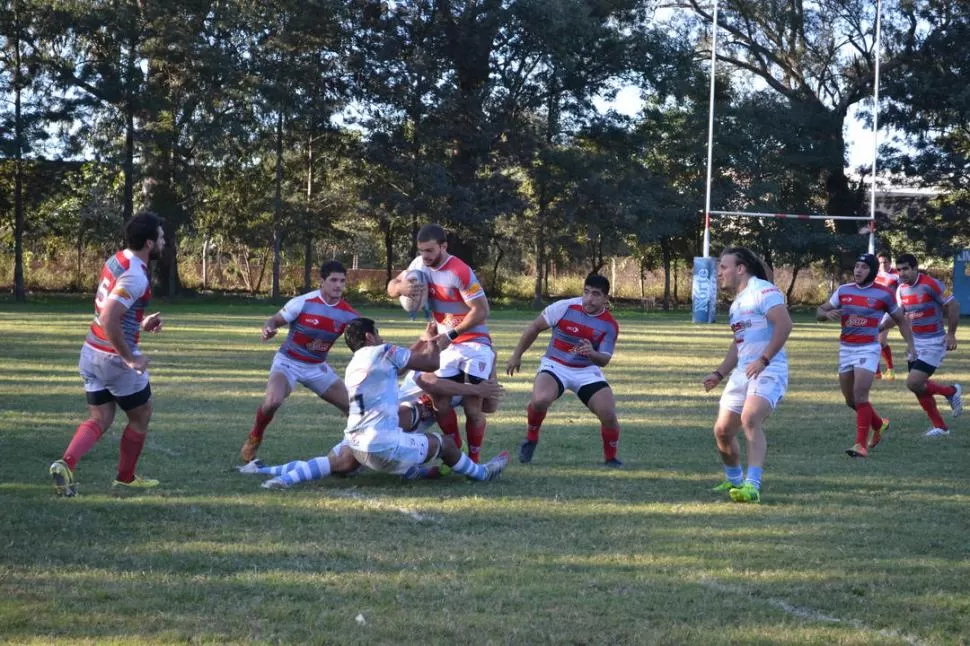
{"x":415,"y":304}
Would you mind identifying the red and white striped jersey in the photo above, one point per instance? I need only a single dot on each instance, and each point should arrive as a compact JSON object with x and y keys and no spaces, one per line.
{"x":571,"y":324}
{"x":923,"y":303}
{"x":451,"y":286}
{"x":124,"y":278}
{"x":314,"y":326}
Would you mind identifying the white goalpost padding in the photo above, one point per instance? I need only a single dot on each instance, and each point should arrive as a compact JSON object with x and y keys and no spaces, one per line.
{"x":704,"y":291}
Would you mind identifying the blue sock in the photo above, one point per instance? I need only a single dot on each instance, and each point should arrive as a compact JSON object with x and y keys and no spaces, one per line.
{"x":466,"y":467}
{"x":312,"y":469}
{"x":754,"y":477}
{"x":734,"y":474}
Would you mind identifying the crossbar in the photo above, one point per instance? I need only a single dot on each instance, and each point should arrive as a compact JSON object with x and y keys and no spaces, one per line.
{"x":794,"y":216}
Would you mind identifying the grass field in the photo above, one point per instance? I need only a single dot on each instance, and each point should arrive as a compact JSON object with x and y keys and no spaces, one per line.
{"x":561,"y":551}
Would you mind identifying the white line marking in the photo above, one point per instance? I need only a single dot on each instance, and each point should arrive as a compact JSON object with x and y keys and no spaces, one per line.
{"x":807,"y":613}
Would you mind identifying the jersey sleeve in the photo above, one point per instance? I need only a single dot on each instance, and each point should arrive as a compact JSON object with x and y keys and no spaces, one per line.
{"x":470,"y":287}
{"x":607,"y":343}
{"x":397,"y":356}
{"x":939,"y":292}
{"x":891,"y":303}
{"x":417,"y":263}
{"x":770,"y":297}
{"x":292,"y":309}
{"x":834,"y":298}
{"x":553,"y":313}
{"x":129,"y":287}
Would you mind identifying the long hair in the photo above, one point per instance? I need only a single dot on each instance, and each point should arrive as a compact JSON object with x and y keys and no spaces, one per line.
{"x":751,"y":260}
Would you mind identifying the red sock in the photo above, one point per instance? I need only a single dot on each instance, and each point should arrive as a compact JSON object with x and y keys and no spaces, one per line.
{"x":533,"y":422}
{"x":933,"y":388}
{"x":863,"y":419}
{"x":476,"y":437}
{"x":262,"y":421}
{"x":611,"y":441}
{"x":448,"y":421}
{"x":131,"y":444}
{"x":876,"y":420}
{"x":887,"y":356}
{"x":86,"y":435}
{"x":929,"y":405}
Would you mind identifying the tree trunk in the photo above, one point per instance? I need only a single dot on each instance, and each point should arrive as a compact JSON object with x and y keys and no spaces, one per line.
{"x":128,"y":160}
{"x":539,"y":249}
{"x":666,"y":259}
{"x":675,"y":262}
{"x":19,"y":287}
{"x":791,"y":286}
{"x":278,"y":207}
{"x":388,"y":248}
{"x":493,"y":287}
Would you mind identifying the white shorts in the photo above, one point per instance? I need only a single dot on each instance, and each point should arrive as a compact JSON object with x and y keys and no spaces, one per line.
{"x":471,"y":358}
{"x":930,"y":351}
{"x":865,"y":356}
{"x":771,"y":385}
{"x":407,"y":450}
{"x":318,"y":377}
{"x":571,"y":378}
{"x":106,"y":371}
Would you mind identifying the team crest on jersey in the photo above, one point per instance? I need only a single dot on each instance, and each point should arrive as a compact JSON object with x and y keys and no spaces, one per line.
{"x":120,"y":292}
{"x":473,"y":289}
{"x":871,"y":302}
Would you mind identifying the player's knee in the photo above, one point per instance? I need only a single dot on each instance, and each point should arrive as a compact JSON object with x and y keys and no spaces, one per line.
{"x":723,"y":433}
{"x":608,"y":418}
{"x":449,"y":453}
{"x":489,"y":405}
{"x":540,"y":404}
{"x":272,"y":402}
{"x":915,"y":385}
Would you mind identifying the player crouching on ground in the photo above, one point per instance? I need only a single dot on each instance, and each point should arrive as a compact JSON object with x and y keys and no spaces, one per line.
{"x":373,"y":436}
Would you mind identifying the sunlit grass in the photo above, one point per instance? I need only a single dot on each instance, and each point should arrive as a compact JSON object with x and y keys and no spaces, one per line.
{"x":561,"y":551}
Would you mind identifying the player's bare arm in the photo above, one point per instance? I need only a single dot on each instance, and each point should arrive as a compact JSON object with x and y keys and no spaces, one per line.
{"x":111,"y":322}
{"x":828,"y":312}
{"x":585,"y":348}
{"x":525,"y":342}
{"x":436,"y":387}
{"x":424,"y":357}
{"x":477,"y":315}
{"x":905,"y":331}
{"x":779,"y":316}
{"x":152,"y":323}
{"x":952,"y":311}
{"x":727,"y":365}
{"x":271,"y":326}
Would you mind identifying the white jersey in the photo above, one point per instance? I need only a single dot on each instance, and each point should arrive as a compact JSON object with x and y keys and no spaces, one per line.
{"x":751,"y":327}
{"x":371,"y":380}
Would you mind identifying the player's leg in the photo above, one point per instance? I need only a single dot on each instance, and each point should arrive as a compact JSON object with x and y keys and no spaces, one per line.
{"x":764,"y":393}
{"x":866,"y":416}
{"x":336,"y":394}
{"x":477,"y":362}
{"x":445,"y":415}
{"x":340,"y":459}
{"x":475,"y":425}
{"x":138,"y":407}
{"x":462,"y":464}
{"x":598,"y":397}
{"x":101,"y":414}
{"x":886,"y":353}
{"x":726,"y":429}
{"x":546,"y":389}
{"x":918,"y":381}
{"x":278,"y":387}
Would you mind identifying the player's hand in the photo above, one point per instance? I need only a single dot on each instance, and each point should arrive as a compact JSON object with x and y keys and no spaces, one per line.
{"x":951,"y":342}
{"x":139,"y":364}
{"x":413,"y":288}
{"x":152,"y":322}
{"x":711,"y":381}
{"x":584,"y":348}
{"x":430,"y":331}
{"x":490,"y":389}
{"x":754,"y":369}
{"x":834,"y":315}
{"x":268,"y":332}
{"x":442,"y":341}
{"x":910,"y":353}
{"x":513,"y":365}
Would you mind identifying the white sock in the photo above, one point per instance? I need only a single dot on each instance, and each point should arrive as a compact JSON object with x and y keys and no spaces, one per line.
{"x":466,"y":467}
{"x":312,"y":469}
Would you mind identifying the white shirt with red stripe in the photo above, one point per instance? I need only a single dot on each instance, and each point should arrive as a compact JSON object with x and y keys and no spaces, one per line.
{"x":571,"y":324}
{"x":124,"y":278}
{"x":451,"y":286}
{"x":315,"y":326}
{"x":923,"y":303}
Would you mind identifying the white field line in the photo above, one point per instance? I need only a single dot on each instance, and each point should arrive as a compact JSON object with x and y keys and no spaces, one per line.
{"x":807,"y":613}
{"x":380,"y":504}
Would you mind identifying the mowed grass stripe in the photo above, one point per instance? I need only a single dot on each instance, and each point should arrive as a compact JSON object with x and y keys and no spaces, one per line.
{"x":560,"y":551}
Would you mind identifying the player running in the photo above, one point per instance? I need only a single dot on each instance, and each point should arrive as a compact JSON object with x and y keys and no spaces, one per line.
{"x":114,"y":370}
{"x":373,"y":436}
{"x":924,"y":302}
{"x":860,"y":306}
{"x":460,"y":309}
{"x":316,"y":320}
{"x":583,"y":339}
{"x":758,"y":367}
